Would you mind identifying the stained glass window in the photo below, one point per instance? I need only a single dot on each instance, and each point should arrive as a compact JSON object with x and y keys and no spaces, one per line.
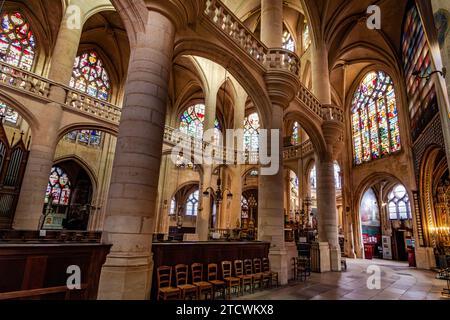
{"x":375,"y":126}
{"x":192,"y":204}
{"x":17,"y":43}
{"x":9,"y":114}
{"x":306,"y":37}
{"x":416,"y":57}
{"x":295,"y":137}
{"x":251,"y":132}
{"x":398,"y":203}
{"x":58,"y":187}
{"x":192,"y":122}
{"x":288,"y":42}
{"x":86,"y":137}
{"x":293,"y":179}
{"x":244,"y":207}
{"x":89,"y":76}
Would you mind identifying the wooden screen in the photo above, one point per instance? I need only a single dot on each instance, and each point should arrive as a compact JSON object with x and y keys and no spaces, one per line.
{"x":13,"y":161}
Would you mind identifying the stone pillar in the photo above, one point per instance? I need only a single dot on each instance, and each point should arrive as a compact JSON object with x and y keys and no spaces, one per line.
{"x":30,"y":206}
{"x":129,"y":223}
{"x":327,"y":216}
{"x":205,"y":210}
{"x":320,"y":74}
{"x":272,"y":23}
{"x":270,"y":207}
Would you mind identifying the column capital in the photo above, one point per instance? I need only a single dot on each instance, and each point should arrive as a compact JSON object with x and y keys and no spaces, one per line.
{"x":180,"y":12}
{"x":333,"y":128}
{"x":282,"y":86}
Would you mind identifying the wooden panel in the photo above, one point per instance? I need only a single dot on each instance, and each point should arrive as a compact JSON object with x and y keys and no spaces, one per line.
{"x":36,"y":271}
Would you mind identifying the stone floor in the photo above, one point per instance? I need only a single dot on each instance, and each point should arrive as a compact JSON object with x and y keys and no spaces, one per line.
{"x":398,"y":282}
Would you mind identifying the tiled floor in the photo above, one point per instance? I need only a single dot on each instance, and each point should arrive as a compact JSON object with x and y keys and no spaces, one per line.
{"x":398,"y":282}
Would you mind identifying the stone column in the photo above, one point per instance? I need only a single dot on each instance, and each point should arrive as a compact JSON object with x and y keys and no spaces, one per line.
{"x":320,"y":73}
{"x":129,"y":223}
{"x":236,"y":185}
{"x":204,"y":212}
{"x":272,"y":23}
{"x":328,"y":219}
{"x":270,"y":207}
{"x":31,"y":201}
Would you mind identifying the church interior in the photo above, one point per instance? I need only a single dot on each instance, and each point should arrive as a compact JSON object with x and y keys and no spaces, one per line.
{"x":206,"y":149}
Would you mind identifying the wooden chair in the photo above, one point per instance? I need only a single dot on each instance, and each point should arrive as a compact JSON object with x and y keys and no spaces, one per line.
{"x":231,"y":282}
{"x":257,"y":273}
{"x":181,"y":275}
{"x":218,"y":285}
{"x":164,"y":278}
{"x":203,"y":287}
{"x":266,"y":269}
{"x":246,"y":279}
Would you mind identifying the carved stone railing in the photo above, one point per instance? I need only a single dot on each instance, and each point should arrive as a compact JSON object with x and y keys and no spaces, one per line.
{"x":24,"y":80}
{"x":233,"y":27}
{"x":282,"y":59}
{"x":93,"y":106}
{"x":330,"y":112}
{"x":298,"y":151}
{"x":309,"y":100}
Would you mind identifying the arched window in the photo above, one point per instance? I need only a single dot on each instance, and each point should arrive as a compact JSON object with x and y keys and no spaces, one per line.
{"x":295,"y":137}
{"x":9,"y":114}
{"x":192,"y":204}
{"x":398,"y":203}
{"x":17,"y":43}
{"x":244,"y":207}
{"x":173,"y":206}
{"x":337,"y":176}
{"x":90,"y":76}
{"x":313,"y":178}
{"x":288,"y":41}
{"x":416,"y":57}
{"x":374,"y":118}
{"x":86,"y":137}
{"x":58,"y":187}
{"x":293,"y":183}
{"x":192,"y":122}
{"x":306,"y":37}
{"x":251,"y":132}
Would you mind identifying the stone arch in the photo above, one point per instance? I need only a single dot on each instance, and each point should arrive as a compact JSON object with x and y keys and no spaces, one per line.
{"x":84,"y":165}
{"x":114,"y":131}
{"x":251,"y":83}
{"x":23,"y":111}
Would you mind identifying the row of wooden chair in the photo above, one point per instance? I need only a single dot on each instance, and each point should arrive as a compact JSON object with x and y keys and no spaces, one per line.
{"x":247,"y":274}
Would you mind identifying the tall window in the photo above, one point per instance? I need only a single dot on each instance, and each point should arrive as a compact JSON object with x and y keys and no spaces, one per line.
{"x":17,"y":43}
{"x":251,"y":132}
{"x":398,"y":203}
{"x":295,"y":137}
{"x":9,"y":114}
{"x":192,"y":122}
{"x":374,"y":118}
{"x":58,"y":187}
{"x":306,"y":37}
{"x":416,"y":57}
{"x":90,"y":76}
{"x":288,"y":41}
{"x":173,"y":206}
{"x":192,"y":204}
{"x":293,"y":183}
{"x":86,"y":137}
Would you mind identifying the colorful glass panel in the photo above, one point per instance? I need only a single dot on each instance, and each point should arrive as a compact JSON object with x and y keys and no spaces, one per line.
{"x":288,"y":41}
{"x":89,"y":76}
{"x":58,"y":187}
{"x":192,"y":122}
{"x":9,"y":114}
{"x":251,"y":132}
{"x":295,"y":137}
{"x":87,"y":137}
{"x":17,"y":43}
{"x":375,"y":128}
{"x":416,"y":57}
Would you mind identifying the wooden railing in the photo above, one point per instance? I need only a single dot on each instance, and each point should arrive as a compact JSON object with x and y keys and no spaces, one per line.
{"x":42,"y":292}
